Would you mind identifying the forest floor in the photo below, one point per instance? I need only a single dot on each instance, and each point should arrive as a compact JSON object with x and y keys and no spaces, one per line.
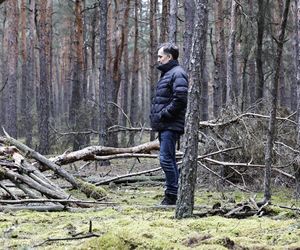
{"x":135,"y":223}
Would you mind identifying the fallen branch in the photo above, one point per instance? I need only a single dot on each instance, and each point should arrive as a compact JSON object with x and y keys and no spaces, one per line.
{"x":213,"y":172}
{"x":50,"y":208}
{"x":90,"y":234}
{"x":55,"y":200}
{"x":8,"y":191}
{"x":76,"y":183}
{"x":91,"y":152}
{"x":235,"y":164}
{"x":127,"y":175}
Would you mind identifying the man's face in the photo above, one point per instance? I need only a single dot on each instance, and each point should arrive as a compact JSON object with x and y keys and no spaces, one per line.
{"x":163,"y":58}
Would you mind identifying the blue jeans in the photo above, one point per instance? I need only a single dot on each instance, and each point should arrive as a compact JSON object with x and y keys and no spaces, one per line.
{"x":167,"y":139}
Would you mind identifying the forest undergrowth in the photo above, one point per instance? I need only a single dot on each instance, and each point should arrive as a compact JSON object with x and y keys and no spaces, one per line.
{"x":136,"y":222}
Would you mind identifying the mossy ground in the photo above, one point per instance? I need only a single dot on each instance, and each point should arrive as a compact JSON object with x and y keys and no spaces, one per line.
{"x":131,"y":225}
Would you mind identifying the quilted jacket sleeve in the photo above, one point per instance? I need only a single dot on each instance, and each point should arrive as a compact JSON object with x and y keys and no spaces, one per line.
{"x":179,"y":97}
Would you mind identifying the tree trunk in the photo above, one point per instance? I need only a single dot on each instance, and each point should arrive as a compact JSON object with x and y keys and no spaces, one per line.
{"x":262,"y":6}
{"x":272,"y":122}
{"x":78,"y":117}
{"x":135,"y":77}
{"x":252,"y":78}
{"x":153,"y":75}
{"x":231,"y":60}
{"x":12,"y":20}
{"x":3,"y":65}
{"x":173,"y":21}
{"x":297,"y":165}
{"x":30,"y":77}
{"x":164,"y":21}
{"x":23,"y":106}
{"x":102,"y":74}
{"x":189,"y":13}
{"x":125,"y":84}
{"x":185,"y":202}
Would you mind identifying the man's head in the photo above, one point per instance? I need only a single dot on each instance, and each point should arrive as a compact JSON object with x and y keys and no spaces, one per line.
{"x":167,"y":52}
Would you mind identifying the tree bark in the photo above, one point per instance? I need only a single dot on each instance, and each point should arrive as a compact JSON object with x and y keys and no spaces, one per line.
{"x":272,"y":122}
{"x":43,"y":100}
{"x":173,"y":21}
{"x":153,"y":74}
{"x":262,"y":6}
{"x":189,"y":13}
{"x":78,"y":117}
{"x":102,"y":74}
{"x":24,"y":69}
{"x":12,"y":20}
{"x":185,"y":202}
{"x":231,"y":59}
{"x":164,"y":21}
{"x":30,"y":77}
{"x":134,"y":107}
{"x":297,"y":165}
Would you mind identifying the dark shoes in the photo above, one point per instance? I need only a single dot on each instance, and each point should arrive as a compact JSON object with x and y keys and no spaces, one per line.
{"x":170,"y":199}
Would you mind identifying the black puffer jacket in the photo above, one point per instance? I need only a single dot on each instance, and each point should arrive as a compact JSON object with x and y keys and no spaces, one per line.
{"x":170,"y":101}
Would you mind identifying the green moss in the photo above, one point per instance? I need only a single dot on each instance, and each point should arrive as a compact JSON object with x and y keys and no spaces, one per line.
{"x":128,"y":226}
{"x":91,"y":190}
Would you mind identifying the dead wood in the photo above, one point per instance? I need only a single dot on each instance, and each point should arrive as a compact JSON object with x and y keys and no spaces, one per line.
{"x":49,"y":208}
{"x":125,"y":155}
{"x":16,"y":177}
{"x":214,"y":123}
{"x":91,"y":152}
{"x":77,"y":236}
{"x":66,"y":201}
{"x":11,"y":194}
{"x":114,"y":179}
{"x":237,"y":164}
{"x":241,"y":188}
{"x":76,"y":183}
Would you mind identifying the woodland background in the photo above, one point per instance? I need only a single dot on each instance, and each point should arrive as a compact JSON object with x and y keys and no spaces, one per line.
{"x":77,"y":73}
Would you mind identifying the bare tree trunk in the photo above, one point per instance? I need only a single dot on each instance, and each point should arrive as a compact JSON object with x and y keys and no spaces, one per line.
{"x":219,"y":87}
{"x":43,"y":100}
{"x":12,"y":65}
{"x":262,"y":6}
{"x":135,"y":78}
{"x":102,"y":76}
{"x":3,"y":71}
{"x":153,"y":75}
{"x":252,"y":73}
{"x":125,"y":85}
{"x":164,"y":21}
{"x":173,"y":21}
{"x":297,"y":164}
{"x":25,"y":73}
{"x":78,"y":118}
{"x":30,"y":77}
{"x":231,"y":60}
{"x":188,"y":176}
{"x":272,"y":122}
{"x":189,"y":12}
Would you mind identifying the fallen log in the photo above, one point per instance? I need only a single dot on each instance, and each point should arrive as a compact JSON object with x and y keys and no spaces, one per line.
{"x":66,"y":201}
{"x":16,"y":177}
{"x":88,"y":189}
{"x":91,"y":152}
{"x":50,"y":208}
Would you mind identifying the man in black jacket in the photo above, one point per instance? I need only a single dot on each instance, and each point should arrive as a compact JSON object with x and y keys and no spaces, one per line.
{"x":168,"y":114}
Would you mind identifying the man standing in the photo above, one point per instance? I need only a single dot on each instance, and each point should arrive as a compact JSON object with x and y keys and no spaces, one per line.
{"x":168,"y":114}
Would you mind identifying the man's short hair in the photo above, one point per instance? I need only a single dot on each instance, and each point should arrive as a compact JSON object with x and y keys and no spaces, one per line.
{"x":170,"y":48}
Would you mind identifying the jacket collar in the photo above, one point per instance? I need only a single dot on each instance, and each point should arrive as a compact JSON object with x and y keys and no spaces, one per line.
{"x":164,"y":68}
